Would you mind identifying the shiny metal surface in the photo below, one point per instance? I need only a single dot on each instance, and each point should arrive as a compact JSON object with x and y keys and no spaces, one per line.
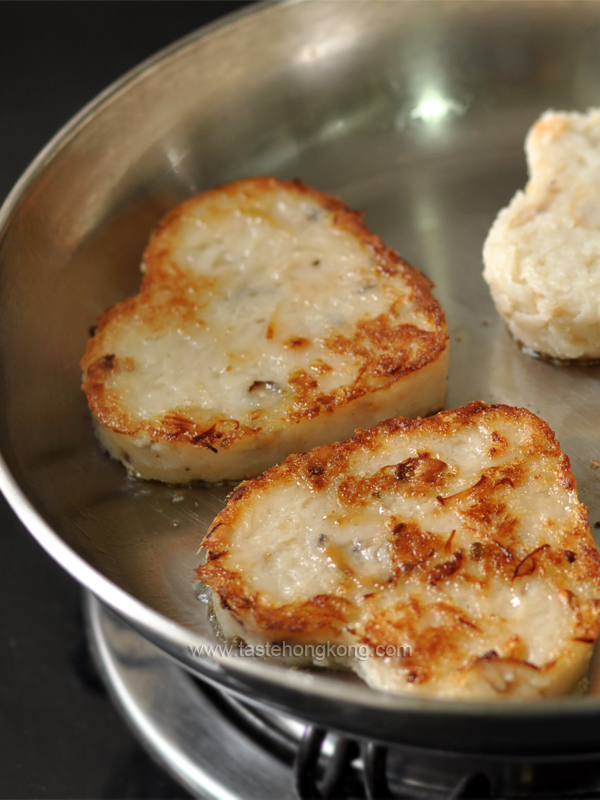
{"x":176,"y":721}
{"x":414,"y":111}
{"x":222,"y":749}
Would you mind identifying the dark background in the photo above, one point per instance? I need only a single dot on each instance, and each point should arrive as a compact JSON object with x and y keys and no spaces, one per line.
{"x":59,"y":735}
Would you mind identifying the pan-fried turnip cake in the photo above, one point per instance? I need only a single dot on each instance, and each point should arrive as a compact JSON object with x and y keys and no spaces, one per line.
{"x":269,"y":320}
{"x":542,"y":254}
{"x":448,"y":556}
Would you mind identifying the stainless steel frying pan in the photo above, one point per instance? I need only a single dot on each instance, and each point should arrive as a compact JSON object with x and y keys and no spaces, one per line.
{"x":414,"y":111}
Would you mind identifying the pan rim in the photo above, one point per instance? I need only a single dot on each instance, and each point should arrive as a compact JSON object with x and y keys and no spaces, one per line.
{"x":154,"y":624}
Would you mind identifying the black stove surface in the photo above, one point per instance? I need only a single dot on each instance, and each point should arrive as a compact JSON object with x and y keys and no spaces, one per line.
{"x":59,"y":733}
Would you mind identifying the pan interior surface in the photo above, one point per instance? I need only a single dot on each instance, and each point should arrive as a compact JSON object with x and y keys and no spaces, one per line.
{"x":414,"y":112}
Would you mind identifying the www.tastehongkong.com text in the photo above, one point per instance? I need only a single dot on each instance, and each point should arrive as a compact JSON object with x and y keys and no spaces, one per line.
{"x":314,"y":652}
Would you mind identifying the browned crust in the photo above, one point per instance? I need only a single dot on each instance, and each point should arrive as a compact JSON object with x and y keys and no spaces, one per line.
{"x":387,"y":350}
{"x":327,"y":463}
{"x":438,"y":631}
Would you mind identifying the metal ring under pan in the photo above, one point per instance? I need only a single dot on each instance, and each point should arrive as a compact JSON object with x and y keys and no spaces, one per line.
{"x":414,"y":111}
